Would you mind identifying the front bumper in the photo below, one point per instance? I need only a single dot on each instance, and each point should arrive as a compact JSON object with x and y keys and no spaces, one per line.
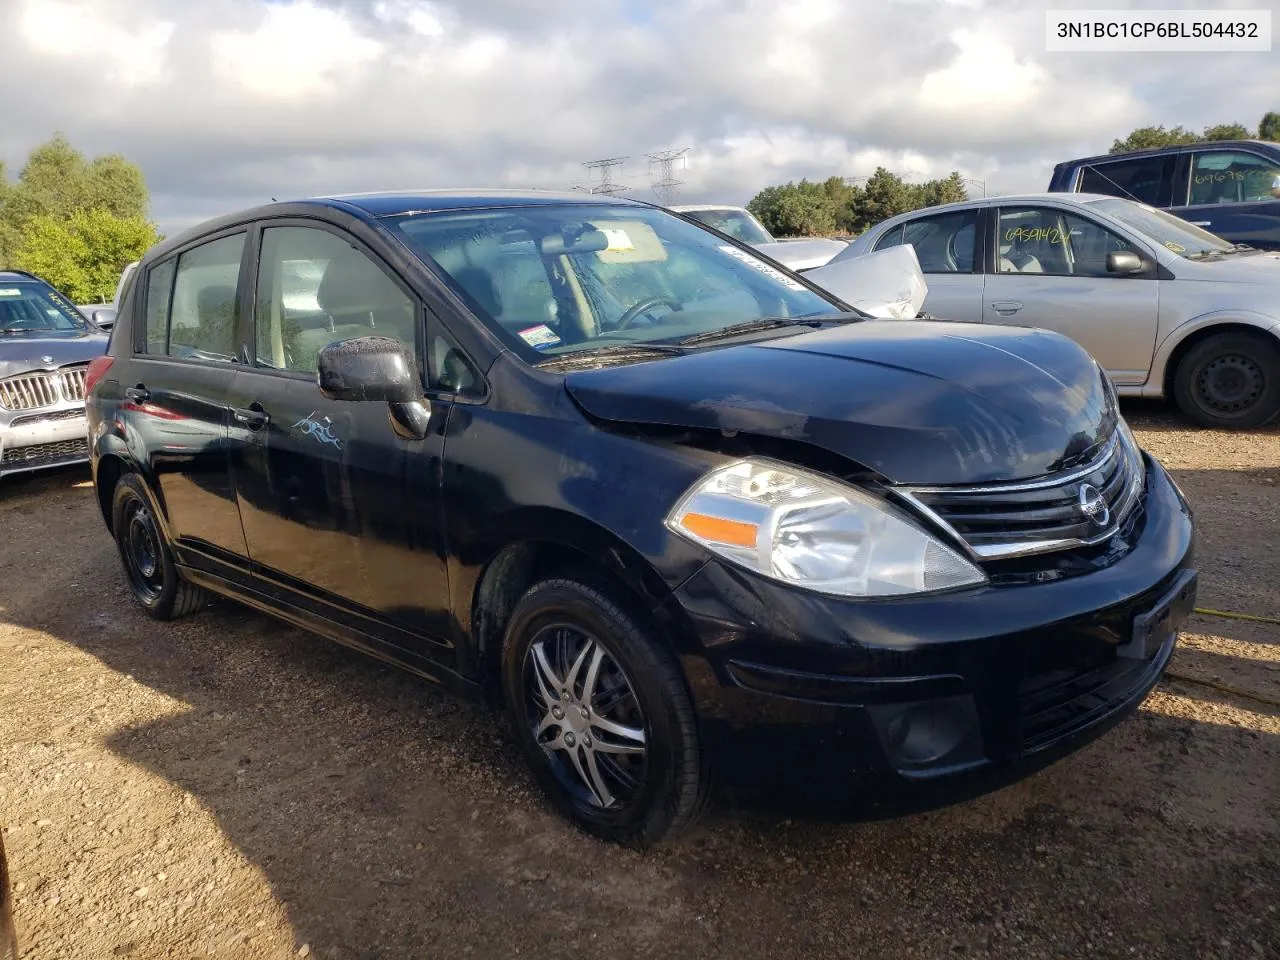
{"x":40,"y":439}
{"x":877,"y":708}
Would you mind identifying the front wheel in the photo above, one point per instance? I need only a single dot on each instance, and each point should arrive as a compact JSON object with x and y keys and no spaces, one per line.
{"x":602,"y":714}
{"x":145,"y":554}
{"x":1229,"y":380}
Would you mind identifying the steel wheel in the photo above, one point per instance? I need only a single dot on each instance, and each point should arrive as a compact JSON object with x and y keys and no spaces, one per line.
{"x":1231,"y":383}
{"x":141,"y":547}
{"x":585,"y":715}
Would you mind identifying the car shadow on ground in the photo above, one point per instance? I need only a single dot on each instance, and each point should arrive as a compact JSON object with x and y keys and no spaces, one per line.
{"x":393,"y":821}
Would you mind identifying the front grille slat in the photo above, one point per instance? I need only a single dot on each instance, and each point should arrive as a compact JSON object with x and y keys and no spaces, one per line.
{"x":1004,"y":520}
{"x":45,"y":454}
{"x":53,"y":416}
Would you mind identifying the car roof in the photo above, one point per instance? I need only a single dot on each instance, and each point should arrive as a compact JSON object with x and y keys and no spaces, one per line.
{"x":19,"y":276}
{"x":1176,"y":148}
{"x":1044,"y":197}
{"x":389,"y":203}
{"x":693,"y":207}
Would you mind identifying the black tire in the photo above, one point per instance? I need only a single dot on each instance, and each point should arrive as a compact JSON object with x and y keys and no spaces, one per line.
{"x":148,"y":562}
{"x":670,"y":779}
{"x":1229,"y":380}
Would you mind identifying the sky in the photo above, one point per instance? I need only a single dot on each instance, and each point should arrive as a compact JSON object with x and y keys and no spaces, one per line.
{"x":229,"y":103}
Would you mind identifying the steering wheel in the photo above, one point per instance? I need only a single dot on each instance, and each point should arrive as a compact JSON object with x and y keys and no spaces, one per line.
{"x":644,"y":306}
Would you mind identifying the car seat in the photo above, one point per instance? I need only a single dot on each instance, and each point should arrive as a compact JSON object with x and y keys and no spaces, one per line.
{"x":215,"y":319}
{"x":358,"y":300}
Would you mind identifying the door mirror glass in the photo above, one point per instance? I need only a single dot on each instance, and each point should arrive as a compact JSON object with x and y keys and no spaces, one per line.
{"x":369,"y":368}
{"x":1123,"y":261}
{"x":104,"y":318}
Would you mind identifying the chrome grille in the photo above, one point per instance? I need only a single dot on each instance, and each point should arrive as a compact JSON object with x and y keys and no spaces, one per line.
{"x":71,"y":380}
{"x":28,"y":391}
{"x":998,"y":521}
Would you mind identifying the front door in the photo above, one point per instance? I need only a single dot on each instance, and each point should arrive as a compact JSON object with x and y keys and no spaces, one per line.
{"x":329,"y":514}
{"x":1050,"y":272}
{"x":176,"y":399}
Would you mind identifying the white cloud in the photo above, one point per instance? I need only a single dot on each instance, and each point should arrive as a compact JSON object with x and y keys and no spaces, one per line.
{"x":297,"y":49}
{"x":229,"y":102}
{"x":135,"y":54}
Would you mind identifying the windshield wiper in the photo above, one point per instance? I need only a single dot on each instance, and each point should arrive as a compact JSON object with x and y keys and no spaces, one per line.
{"x":613,"y":344}
{"x":768,"y":323}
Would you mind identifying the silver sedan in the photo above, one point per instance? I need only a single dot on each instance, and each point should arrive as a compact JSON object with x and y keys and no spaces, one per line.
{"x":1166,"y":308}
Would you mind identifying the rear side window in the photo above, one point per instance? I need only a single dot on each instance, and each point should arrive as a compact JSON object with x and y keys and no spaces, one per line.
{"x":1141,"y":179}
{"x":943,"y":243}
{"x":159,"y":290}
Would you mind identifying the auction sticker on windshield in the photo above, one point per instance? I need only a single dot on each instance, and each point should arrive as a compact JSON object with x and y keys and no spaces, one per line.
{"x":539,"y":336}
{"x":763,"y":267}
{"x":10,"y":292}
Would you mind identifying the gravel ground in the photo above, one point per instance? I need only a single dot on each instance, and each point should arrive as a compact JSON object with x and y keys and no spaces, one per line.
{"x":229,"y":786}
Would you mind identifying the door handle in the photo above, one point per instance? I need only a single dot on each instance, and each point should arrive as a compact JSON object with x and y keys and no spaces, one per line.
{"x":1006,"y":307}
{"x":138,"y":394}
{"x":253,"y":416}
{"x":1202,"y":223}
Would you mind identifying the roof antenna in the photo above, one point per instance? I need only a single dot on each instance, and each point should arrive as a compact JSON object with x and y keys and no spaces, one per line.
{"x":274,"y":200}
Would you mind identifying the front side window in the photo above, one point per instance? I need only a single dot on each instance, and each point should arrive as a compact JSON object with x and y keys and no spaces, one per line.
{"x":1043,"y":240}
{"x":561,"y":279}
{"x":943,"y":243}
{"x":1232,"y":177}
{"x":1139,"y":179}
{"x":28,"y":308}
{"x":315,"y":288}
{"x":202,"y":318}
{"x":890,"y":238}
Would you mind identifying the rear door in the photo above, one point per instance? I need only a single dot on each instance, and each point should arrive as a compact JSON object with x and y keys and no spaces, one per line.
{"x":1049,"y":270}
{"x":1146,"y":180}
{"x":1233,"y":193}
{"x":175,"y":410}
{"x":945,"y":244}
{"x":332,"y":521}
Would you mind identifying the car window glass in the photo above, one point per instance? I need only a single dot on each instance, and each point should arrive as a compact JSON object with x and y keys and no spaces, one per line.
{"x":1138,"y":179}
{"x":203,"y":315}
{"x":1233,"y":177}
{"x":943,"y":243}
{"x":891,"y":238}
{"x":314,"y":288}
{"x":450,"y":370}
{"x":1042,"y":240}
{"x":27,"y":308}
{"x":159,"y":289}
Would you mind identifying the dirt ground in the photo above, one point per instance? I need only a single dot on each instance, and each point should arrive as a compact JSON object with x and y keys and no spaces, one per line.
{"x":228,"y":786}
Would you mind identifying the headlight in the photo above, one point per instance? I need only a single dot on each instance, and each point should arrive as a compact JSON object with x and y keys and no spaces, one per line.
{"x":804,"y":529}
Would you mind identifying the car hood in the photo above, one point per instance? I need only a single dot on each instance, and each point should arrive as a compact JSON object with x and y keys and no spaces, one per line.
{"x":801,"y":254}
{"x":916,"y":401}
{"x":20,"y":352}
{"x":1252,"y":268}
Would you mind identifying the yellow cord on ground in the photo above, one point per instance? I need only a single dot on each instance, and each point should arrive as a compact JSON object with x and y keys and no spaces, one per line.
{"x":1224,"y":688}
{"x":1205,"y":611}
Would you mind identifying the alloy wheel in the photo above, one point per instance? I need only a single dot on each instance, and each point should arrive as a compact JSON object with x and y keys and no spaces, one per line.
{"x":585,"y":716}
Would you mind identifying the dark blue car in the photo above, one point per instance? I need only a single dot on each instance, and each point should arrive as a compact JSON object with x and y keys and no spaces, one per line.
{"x":1229,"y":187}
{"x":689,"y":519}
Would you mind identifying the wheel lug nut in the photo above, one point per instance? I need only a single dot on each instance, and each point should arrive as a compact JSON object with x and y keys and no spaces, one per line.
{"x":570,"y":739}
{"x":584,"y":712}
{"x":557,"y":713}
{"x":586,"y":739}
{"x":564,"y":696}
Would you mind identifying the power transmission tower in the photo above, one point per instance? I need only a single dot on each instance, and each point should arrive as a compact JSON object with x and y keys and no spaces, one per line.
{"x":666,"y":184}
{"x":606,"y":183}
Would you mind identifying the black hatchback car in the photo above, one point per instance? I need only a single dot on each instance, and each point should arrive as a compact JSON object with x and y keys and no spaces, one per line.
{"x":681,"y":511}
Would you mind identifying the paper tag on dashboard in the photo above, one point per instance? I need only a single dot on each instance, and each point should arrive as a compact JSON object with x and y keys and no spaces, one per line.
{"x":618,"y":239}
{"x":539,"y":336}
{"x":763,"y":267}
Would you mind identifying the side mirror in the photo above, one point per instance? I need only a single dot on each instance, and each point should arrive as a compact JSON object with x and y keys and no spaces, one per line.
{"x":104,"y":319}
{"x":369,"y":368}
{"x":1124,"y":262}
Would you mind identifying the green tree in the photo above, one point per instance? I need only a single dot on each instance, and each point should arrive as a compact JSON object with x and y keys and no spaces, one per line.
{"x":1145,"y":138}
{"x":1228,"y":131}
{"x":803,"y":209}
{"x":949,"y":189}
{"x":84,"y":254}
{"x":1269,"y":128}
{"x":57,"y":181}
{"x":884,"y":195}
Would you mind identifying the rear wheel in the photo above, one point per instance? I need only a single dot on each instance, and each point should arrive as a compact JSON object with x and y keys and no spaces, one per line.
{"x":602,"y":714}
{"x":145,"y":554}
{"x":1229,"y":380}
